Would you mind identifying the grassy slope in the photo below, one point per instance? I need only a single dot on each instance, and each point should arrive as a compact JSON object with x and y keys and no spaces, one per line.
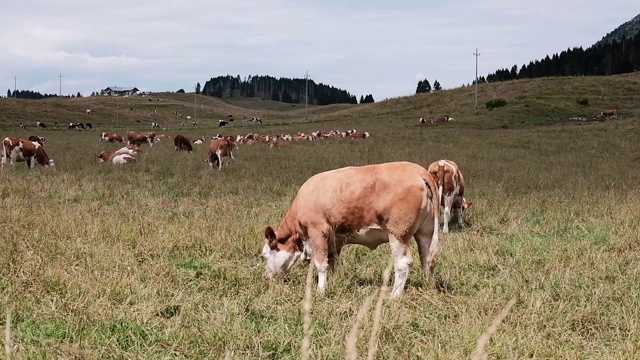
{"x":161,"y":259}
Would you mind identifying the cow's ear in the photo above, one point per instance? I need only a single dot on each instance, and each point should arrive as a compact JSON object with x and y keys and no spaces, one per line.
{"x":270,"y":235}
{"x":467,"y":204}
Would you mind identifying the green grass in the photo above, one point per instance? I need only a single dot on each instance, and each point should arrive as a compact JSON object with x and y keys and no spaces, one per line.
{"x":162,"y":259}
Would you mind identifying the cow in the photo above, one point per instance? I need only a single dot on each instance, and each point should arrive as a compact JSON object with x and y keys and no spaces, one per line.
{"x":24,"y":150}
{"x":222,"y":123}
{"x":41,"y":125}
{"x":358,"y":135}
{"x":110,"y":137}
{"x":76,"y":126}
{"x":608,"y":113}
{"x":39,"y":139}
{"x":55,"y":125}
{"x":199,"y":141}
{"x":365,"y":205}
{"x":22,"y":126}
{"x":219,"y":150}
{"x":160,"y":137}
{"x":130,"y":150}
{"x":88,"y":126}
{"x":136,"y":138}
{"x":116,"y":158}
{"x":88,"y":111}
{"x":154,"y":125}
{"x":450,"y":190}
{"x":182,"y":143}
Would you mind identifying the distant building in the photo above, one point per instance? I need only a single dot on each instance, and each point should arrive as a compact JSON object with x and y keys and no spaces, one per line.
{"x":119,"y":91}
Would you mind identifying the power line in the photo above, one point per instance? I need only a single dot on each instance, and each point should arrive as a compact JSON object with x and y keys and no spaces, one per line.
{"x":476,"y":54}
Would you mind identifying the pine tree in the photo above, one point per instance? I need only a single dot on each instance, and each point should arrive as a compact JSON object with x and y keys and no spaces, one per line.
{"x":198,"y":88}
{"x":9,"y":93}
{"x":436,"y":86}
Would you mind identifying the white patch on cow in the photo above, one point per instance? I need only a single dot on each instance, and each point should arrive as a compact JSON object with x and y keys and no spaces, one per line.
{"x":401,"y":264}
{"x":279,"y":261}
{"x":121,"y":159}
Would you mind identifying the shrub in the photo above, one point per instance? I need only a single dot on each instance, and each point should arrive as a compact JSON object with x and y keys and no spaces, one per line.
{"x":583,"y":101}
{"x":495,"y":103}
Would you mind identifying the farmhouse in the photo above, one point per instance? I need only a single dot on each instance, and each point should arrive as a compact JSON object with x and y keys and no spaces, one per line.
{"x":119,"y":91}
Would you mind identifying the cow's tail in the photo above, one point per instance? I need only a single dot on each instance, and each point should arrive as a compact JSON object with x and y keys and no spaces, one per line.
{"x":440,"y":180}
{"x":433,"y":195}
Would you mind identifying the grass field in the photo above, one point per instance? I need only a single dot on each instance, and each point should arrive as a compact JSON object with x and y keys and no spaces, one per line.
{"x":161,"y":260}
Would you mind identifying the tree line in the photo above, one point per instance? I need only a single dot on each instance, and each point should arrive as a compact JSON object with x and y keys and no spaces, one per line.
{"x":610,"y":58}
{"x":28,"y":94}
{"x":283,"y":90}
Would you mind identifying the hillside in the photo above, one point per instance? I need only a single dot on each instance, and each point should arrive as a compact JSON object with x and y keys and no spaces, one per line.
{"x":627,"y":30}
{"x":529,"y":101}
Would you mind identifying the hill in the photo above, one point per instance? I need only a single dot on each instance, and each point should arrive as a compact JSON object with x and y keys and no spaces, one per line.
{"x":627,"y":30}
{"x":529,"y":101}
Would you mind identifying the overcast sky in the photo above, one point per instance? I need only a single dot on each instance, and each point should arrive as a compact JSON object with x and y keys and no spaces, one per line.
{"x":362,"y":46}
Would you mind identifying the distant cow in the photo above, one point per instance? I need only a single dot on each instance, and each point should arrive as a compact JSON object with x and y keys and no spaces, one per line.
{"x":136,"y":138}
{"x":88,"y":111}
{"x":365,"y":205}
{"x":358,"y":135}
{"x":155,"y":125}
{"x":219,"y":150}
{"x":39,"y":139}
{"x":76,"y":126}
{"x":450,"y":190}
{"x":19,"y":150}
{"x":22,"y":126}
{"x":41,"y":125}
{"x":182,"y":143}
{"x":199,"y":141}
{"x":88,"y":126}
{"x":609,"y":113}
{"x":222,"y":123}
{"x":110,"y":137}
{"x":116,"y":158}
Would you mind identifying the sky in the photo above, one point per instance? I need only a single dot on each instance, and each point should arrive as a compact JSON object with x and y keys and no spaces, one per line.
{"x":365,"y":47}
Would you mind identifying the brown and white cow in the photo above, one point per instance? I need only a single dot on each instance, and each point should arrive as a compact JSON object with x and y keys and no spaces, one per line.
{"x":367,"y":205}
{"x":39,"y":139}
{"x":18,"y":150}
{"x":450,"y":190}
{"x":609,"y":113}
{"x":182,"y":143}
{"x":358,"y":135}
{"x":136,"y":138}
{"x":110,"y":137}
{"x":130,"y":150}
{"x":219,"y":150}
{"x":199,"y":141}
{"x":116,"y":157}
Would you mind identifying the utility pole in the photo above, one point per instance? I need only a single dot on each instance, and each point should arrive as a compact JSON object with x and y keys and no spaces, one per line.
{"x":15,"y":89}
{"x":60,"y":84}
{"x":306,"y":95}
{"x":117,"y":112}
{"x":476,"y":54}
{"x":195,"y":106}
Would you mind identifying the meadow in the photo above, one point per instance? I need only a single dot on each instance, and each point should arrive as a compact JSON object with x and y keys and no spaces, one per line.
{"x":161,"y":260}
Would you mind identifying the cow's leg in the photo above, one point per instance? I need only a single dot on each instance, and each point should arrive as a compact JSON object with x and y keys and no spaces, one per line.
{"x":402,"y":261}
{"x":31,"y":162}
{"x":448,"y":202}
{"x":427,"y":240}
{"x":459,"y":214}
{"x":232,"y":158}
{"x":320,"y":255}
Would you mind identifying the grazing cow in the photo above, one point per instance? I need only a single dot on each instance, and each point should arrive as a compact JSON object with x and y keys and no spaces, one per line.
{"x":88,"y":126}
{"x":199,"y":141}
{"x":219,"y":150}
{"x":116,"y":157}
{"x":110,"y":137}
{"x":76,"y":126}
{"x":24,"y":150}
{"x":155,"y":125}
{"x":450,"y":190}
{"x":222,"y":123}
{"x":188,"y":117}
{"x":366,"y":205}
{"x":608,"y":113}
{"x":88,"y":112}
{"x":182,"y":143}
{"x":136,"y":138}
{"x":39,"y":139}
{"x":161,"y":136}
{"x":41,"y":125}
{"x":21,"y":125}
{"x":358,"y":135}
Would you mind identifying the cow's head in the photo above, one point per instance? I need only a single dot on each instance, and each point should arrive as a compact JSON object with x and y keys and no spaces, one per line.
{"x":464,"y":205}
{"x":281,"y":253}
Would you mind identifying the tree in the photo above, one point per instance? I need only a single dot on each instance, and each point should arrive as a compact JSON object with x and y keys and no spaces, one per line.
{"x":286,"y":97}
{"x":367,"y":99}
{"x":436,"y":86}
{"x":79,"y":95}
{"x":423,"y":86}
{"x":198,"y":88}
{"x":274,"y":95}
{"x":361,"y":99}
{"x":181,"y":91}
{"x":9,"y":93}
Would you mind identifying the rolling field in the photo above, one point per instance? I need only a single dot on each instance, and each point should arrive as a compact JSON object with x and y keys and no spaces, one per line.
{"x":161,"y":259}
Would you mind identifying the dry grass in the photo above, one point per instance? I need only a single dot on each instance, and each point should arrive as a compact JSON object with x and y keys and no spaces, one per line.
{"x":162,"y":259}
